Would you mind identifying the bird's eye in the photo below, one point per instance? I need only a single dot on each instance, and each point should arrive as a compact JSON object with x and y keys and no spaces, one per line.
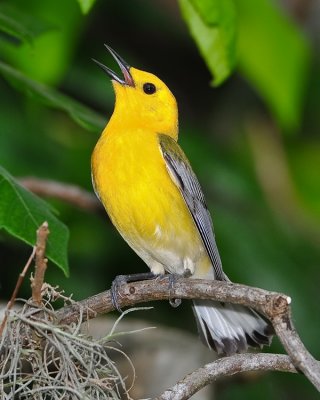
{"x":149,"y":88}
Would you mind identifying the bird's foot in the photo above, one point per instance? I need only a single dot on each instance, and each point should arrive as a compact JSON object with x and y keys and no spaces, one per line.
{"x":172,"y":280}
{"x":175,"y":302}
{"x":122,"y":279}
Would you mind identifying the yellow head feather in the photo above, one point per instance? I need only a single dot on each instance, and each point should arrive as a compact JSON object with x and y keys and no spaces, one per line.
{"x":158,"y":111}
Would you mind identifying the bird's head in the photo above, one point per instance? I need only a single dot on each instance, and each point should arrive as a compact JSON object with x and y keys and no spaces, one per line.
{"x":143,"y":99}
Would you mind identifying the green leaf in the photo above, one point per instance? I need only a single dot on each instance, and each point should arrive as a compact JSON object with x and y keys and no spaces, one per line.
{"x":21,"y":214}
{"x":209,"y":11}
{"x":212,"y":25}
{"x":51,"y":97}
{"x":20,"y":26}
{"x":86,"y":5}
{"x":274,"y":57}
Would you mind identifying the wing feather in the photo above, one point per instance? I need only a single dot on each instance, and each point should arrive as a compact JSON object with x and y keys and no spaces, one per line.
{"x":183,"y":176}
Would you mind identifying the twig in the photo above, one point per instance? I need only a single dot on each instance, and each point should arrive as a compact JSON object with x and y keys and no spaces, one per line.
{"x":223,"y":367}
{"x":69,"y":193}
{"x":16,"y":290}
{"x":41,"y":263}
{"x":275,"y":306}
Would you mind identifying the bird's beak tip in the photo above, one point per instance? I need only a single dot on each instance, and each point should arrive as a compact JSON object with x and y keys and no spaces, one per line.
{"x":124,"y":66}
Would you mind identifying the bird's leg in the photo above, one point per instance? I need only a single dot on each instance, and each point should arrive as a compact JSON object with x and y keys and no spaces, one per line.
{"x":172,"y":280}
{"x":121,"y":279}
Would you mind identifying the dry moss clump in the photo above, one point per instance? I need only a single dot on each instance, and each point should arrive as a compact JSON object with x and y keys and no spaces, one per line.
{"x":42,"y":360}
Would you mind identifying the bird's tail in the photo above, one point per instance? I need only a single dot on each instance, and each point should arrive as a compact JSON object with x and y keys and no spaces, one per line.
{"x":229,"y":328}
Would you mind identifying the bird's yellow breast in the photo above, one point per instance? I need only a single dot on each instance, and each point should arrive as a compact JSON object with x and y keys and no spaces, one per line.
{"x":131,"y":179}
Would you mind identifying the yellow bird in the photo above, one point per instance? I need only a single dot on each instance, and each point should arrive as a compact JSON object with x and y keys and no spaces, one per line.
{"x":154,"y":199}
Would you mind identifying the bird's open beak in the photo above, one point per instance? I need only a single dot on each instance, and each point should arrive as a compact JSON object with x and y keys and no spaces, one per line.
{"x":125,"y":69}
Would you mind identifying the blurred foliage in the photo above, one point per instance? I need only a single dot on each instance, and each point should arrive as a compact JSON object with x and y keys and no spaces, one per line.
{"x":52,"y":98}
{"x":20,"y":26}
{"x":213,"y":27}
{"x":274,"y":56}
{"x":262,"y":186}
{"x":86,"y":5}
{"x":271,"y":51}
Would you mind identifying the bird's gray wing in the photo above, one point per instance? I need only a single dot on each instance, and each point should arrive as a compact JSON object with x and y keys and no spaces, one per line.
{"x":181,"y":173}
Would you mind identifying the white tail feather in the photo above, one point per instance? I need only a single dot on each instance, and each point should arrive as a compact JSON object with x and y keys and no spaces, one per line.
{"x":229,"y":328}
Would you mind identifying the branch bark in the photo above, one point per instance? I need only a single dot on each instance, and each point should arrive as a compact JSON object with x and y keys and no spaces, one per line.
{"x":69,"y":193}
{"x":223,"y":367}
{"x":275,"y":306}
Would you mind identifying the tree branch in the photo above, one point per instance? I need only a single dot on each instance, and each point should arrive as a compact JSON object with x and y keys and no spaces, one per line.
{"x":184,"y":288}
{"x":275,"y":306}
{"x":69,"y":193}
{"x":223,"y":367}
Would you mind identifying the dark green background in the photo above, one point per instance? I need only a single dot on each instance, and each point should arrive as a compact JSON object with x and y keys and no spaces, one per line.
{"x":260,"y":170}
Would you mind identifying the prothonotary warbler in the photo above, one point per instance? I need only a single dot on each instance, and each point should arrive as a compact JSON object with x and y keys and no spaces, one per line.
{"x":154,"y":199}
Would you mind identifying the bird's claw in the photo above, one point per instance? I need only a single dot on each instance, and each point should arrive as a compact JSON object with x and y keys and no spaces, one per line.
{"x":122,"y":279}
{"x":172,"y":280}
{"x":172,"y":301}
{"x":175,"y":302}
